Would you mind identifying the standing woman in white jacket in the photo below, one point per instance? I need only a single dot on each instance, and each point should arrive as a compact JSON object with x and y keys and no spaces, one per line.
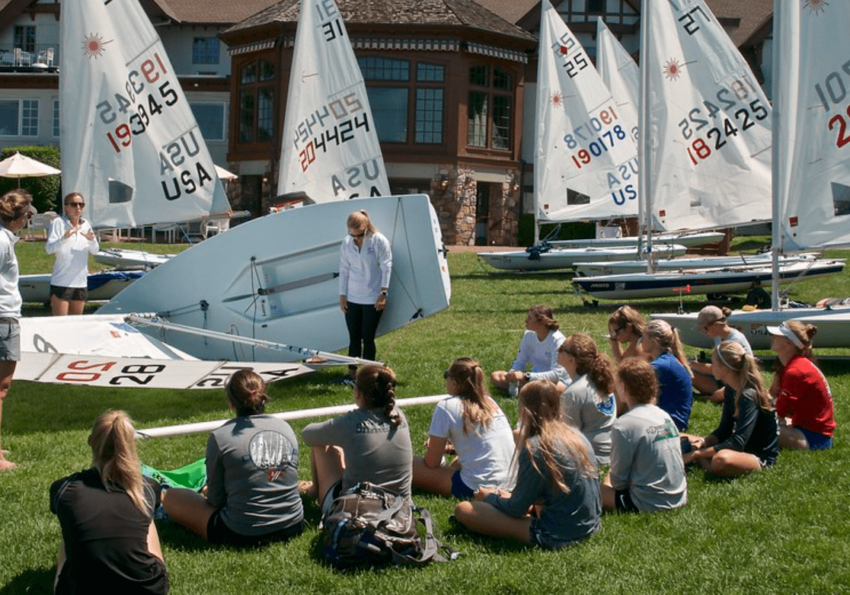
{"x":71,"y":239}
{"x":365,"y":265}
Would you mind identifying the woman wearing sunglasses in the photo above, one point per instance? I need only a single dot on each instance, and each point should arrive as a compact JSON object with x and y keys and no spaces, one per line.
{"x":71,"y":239}
{"x":365,"y":265}
{"x":625,"y":327}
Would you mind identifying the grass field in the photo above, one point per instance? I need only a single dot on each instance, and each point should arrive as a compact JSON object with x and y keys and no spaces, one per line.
{"x":784,"y":530}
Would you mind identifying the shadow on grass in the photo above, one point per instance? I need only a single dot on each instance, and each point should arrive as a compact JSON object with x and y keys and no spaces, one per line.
{"x":33,"y":581}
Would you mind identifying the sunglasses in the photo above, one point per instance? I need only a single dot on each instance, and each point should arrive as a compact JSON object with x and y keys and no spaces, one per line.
{"x":357,"y":235}
{"x":76,"y":205}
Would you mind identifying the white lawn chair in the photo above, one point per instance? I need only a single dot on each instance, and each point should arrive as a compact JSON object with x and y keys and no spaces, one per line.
{"x":213,"y":226}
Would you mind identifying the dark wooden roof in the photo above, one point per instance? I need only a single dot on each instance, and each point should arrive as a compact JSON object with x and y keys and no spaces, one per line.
{"x":445,"y":13}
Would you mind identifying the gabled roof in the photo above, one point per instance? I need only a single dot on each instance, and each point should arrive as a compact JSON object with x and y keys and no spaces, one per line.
{"x":752,"y":15}
{"x":448,"y":13}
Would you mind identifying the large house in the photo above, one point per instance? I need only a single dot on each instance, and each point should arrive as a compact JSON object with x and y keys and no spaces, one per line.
{"x":451,"y":83}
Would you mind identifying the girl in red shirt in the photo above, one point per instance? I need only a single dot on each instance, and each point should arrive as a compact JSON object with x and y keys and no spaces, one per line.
{"x":803,"y":398}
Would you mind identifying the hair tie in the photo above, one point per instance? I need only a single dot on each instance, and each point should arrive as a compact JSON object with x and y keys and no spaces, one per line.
{"x":596,"y":356}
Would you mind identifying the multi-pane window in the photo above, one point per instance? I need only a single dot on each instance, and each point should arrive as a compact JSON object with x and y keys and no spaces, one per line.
{"x":490,"y":108}
{"x":19,"y":117}
{"x":405,"y":96}
{"x":211,"y":120}
{"x":205,"y":50}
{"x":55,"y":118}
{"x":24,"y":37}
{"x":256,"y":101}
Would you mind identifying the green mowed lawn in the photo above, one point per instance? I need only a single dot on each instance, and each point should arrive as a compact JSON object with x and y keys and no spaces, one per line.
{"x":784,"y":530}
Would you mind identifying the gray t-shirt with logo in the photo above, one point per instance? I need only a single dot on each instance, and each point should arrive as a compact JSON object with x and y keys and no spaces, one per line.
{"x":252,"y":474}
{"x":646,"y":459}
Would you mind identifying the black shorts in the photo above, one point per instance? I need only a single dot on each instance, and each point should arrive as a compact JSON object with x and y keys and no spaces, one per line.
{"x":69,"y":294}
{"x":623,"y":501}
{"x":220,"y":534}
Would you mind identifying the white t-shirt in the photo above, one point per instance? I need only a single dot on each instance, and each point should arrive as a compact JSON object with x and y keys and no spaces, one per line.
{"x":10,"y":295}
{"x":362,"y":272}
{"x":71,"y":268}
{"x":541,"y":355}
{"x":485,"y":456}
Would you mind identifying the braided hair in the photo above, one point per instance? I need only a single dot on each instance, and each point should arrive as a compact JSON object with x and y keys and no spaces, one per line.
{"x":376,"y":384}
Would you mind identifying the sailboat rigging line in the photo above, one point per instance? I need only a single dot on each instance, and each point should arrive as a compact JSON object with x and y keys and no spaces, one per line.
{"x":305,"y":352}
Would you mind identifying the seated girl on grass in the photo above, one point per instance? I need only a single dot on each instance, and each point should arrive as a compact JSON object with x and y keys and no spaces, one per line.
{"x":747,"y":438}
{"x":675,"y":396}
{"x":538,"y":349}
{"x":803,"y":398}
{"x":109,"y":540}
{"x":589,"y":403}
{"x":647,"y":473}
{"x":625,"y":327}
{"x":251,"y":496}
{"x":472,"y":425}
{"x":712,"y":322}
{"x":556,"y":501}
{"x":371,"y":443}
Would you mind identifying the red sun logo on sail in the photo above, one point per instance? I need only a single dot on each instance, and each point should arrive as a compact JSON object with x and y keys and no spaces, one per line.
{"x":815,"y":6}
{"x":93,"y":45}
{"x":557,"y":99}
{"x":673,"y":69}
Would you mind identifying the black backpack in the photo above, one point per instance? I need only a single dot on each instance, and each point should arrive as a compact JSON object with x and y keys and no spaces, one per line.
{"x":369,"y":526}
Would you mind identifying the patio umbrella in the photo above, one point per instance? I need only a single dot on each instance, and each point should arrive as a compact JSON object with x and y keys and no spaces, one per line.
{"x":20,"y":166}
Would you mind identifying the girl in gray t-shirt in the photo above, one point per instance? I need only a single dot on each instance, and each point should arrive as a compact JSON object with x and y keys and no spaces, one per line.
{"x":372,"y":443}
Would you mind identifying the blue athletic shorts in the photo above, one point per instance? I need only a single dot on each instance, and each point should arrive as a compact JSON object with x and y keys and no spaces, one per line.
{"x":460,"y":489}
{"x":816,"y":441}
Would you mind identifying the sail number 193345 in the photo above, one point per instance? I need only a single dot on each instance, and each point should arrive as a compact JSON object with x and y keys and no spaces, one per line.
{"x":140,"y":108}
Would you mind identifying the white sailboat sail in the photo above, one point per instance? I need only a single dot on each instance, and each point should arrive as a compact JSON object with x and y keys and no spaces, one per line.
{"x":618,"y":69}
{"x":813,"y":125}
{"x":330,"y":146}
{"x":130,"y":143}
{"x":708,"y":122}
{"x":585,"y":154}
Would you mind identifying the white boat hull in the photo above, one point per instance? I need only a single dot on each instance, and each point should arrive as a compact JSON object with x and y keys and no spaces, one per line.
{"x":564,"y":258}
{"x":687,"y":240}
{"x":130,"y":259}
{"x":697,"y":281}
{"x":276,"y":279}
{"x":592,"y":269}
{"x":833,"y":326}
{"x":102,"y":286}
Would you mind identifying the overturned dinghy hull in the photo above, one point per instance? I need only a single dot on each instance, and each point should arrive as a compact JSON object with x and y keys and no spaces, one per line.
{"x":698,"y":281}
{"x":276,"y":279}
{"x":565,"y":258}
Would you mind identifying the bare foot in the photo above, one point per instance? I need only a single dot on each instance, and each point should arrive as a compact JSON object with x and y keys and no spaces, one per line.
{"x":307,"y":488}
{"x":7,"y":465}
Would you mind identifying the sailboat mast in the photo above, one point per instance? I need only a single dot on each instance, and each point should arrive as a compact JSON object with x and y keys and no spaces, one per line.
{"x":775,"y":228}
{"x":645,"y":142}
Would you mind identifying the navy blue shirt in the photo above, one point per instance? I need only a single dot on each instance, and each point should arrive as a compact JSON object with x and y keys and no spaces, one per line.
{"x":676,"y":395}
{"x":754,"y":431}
